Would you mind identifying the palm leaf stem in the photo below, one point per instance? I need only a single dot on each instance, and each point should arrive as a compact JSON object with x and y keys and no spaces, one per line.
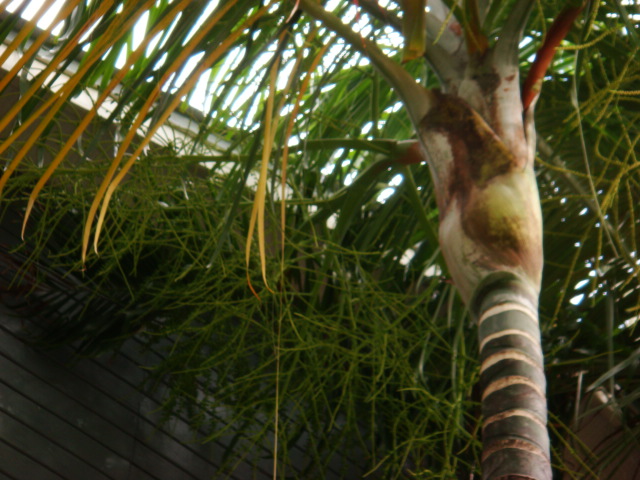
{"x":417,"y":100}
{"x":508,"y":43}
{"x":447,"y":58}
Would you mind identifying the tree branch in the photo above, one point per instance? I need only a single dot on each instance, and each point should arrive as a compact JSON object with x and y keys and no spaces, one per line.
{"x":417,"y":99}
{"x":444,"y":53}
{"x":477,"y":42}
{"x":483,"y":8}
{"x":508,"y":43}
{"x":559,"y":29}
{"x":445,"y":44}
{"x":373,"y":8}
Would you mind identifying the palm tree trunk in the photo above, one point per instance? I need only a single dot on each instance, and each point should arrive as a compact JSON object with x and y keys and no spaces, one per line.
{"x":479,"y":143}
{"x":514,"y":407}
{"x":491,"y":238}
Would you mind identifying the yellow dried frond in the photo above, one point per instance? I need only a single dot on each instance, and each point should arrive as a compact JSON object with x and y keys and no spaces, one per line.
{"x":46,"y":176}
{"x":175,"y":101}
{"x":257,"y":212}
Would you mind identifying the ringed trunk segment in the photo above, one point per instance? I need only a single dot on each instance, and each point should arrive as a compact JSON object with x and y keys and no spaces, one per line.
{"x":514,"y":407}
{"x":491,"y":238}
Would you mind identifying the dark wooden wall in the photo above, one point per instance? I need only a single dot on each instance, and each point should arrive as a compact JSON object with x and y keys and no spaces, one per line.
{"x":88,"y":419}
{"x":83,"y":419}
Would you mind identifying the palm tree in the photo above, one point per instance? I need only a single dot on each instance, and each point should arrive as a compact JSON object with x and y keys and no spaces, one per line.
{"x":478,"y":138}
{"x":356,"y":276}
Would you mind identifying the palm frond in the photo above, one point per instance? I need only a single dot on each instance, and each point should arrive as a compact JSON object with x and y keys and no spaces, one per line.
{"x":376,"y":352}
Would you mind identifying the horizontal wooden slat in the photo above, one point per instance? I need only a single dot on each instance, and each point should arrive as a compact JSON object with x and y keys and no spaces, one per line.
{"x":15,"y":465}
{"x":58,"y":428}
{"x":99,"y":405}
{"x":48,"y":454}
{"x":99,"y":402}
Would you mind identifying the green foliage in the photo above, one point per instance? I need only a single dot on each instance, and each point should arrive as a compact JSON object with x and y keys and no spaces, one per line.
{"x":374,"y":356}
{"x":377,"y":359}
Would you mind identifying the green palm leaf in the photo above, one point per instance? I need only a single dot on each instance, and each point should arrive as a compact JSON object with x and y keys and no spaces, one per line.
{"x":375,"y":350}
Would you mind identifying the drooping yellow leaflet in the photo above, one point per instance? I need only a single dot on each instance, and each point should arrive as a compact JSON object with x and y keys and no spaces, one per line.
{"x":14,"y":46}
{"x":108,"y":187}
{"x":36,"y":84}
{"x":257,"y":212}
{"x":136,"y":54}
